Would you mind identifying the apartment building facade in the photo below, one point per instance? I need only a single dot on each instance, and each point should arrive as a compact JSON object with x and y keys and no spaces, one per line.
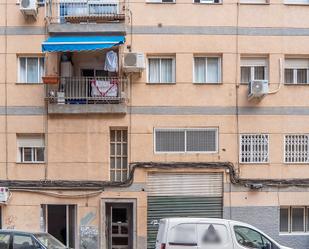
{"x":116,"y":114}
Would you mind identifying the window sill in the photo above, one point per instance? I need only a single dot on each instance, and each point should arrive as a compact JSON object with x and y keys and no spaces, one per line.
{"x":30,"y":163}
{"x":296,"y":4}
{"x":207,"y":83}
{"x":253,"y":3}
{"x":296,"y":84}
{"x":294,"y":234}
{"x":255,"y":163}
{"x":24,"y":83}
{"x":208,"y":3}
{"x":300,"y":163}
{"x":149,"y":2}
{"x":186,"y":153}
{"x":150,"y":83}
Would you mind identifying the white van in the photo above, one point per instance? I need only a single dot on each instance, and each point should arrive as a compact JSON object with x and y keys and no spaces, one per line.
{"x":207,"y":233}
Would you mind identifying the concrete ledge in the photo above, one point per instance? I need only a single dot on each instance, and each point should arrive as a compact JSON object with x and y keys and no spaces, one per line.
{"x":101,"y":28}
{"x":86,"y":109}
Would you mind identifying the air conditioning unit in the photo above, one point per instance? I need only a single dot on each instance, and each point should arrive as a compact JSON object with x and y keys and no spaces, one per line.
{"x":29,"y":7}
{"x":257,"y":89}
{"x":133,"y":62}
{"x":4,"y":194}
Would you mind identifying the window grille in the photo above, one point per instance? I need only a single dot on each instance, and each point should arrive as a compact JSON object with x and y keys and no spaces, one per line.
{"x":296,"y":148}
{"x":254,"y":148}
{"x":118,"y":155}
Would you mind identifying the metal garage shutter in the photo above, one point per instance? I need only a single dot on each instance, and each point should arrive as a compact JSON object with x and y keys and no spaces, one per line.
{"x":182,"y":195}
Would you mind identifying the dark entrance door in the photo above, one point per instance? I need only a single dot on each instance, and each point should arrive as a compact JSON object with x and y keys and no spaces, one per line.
{"x":119,"y":225}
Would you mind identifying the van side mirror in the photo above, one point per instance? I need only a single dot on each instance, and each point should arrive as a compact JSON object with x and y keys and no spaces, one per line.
{"x":155,"y":223}
{"x":267,"y":246}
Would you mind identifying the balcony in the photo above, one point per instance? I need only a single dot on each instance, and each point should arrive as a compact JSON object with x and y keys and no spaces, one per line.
{"x":82,"y":95}
{"x":67,"y":15}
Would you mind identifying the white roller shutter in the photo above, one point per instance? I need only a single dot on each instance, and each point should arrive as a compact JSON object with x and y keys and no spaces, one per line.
{"x":185,"y":184}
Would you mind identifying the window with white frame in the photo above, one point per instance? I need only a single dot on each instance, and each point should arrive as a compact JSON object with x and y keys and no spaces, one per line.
{"x":294,"y":219}
{"x":253,"y":69}
{"x":254,"y":148}
{"x":31,"y":148}
{"x":31,"y":69}
{"x":296,"y":71}
{"x":119,"y":155}
{"x":296,"y":148}
{"x":195,"y":140}
{"x":161,"y":70}
{"x":207,"y":69}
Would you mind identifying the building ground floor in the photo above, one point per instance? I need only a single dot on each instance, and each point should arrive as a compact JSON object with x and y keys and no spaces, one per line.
{"x":126,"y":217}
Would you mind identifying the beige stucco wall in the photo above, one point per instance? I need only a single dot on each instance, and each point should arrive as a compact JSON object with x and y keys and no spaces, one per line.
{"x":78,"y":145}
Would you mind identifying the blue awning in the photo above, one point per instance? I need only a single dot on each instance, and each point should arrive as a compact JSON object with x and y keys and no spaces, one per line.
{"x":80,"y":43}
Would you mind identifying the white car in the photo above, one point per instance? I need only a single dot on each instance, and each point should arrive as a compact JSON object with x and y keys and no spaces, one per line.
{"x":207,"y":233}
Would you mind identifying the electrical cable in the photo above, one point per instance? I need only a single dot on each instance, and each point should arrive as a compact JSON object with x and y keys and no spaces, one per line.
{"x":52,"y":194}
{"x":100,"y":185}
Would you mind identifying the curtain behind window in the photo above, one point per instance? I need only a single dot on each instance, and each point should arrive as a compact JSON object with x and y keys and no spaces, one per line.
{"x":259,"y":73}
{"x":245,"y":74}
{"x":32,"y":70}
{"x":212,"y":70}
{"x":166,"y":70}
{"x":22,"y":70}
{"x":200,"y":70}
{"x":154,"y":70}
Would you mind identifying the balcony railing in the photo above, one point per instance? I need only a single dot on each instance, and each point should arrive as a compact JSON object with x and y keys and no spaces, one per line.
{"x":87,"y":90}
{"x":84,"y":11}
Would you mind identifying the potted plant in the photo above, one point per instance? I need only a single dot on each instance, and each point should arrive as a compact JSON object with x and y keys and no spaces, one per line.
{"x":50,"y":79}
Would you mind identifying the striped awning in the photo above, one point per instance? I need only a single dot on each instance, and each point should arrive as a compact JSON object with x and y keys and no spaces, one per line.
{"x":80,"y":43}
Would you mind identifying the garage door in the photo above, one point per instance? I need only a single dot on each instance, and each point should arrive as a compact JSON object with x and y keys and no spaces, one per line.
{"x":182,"y":195}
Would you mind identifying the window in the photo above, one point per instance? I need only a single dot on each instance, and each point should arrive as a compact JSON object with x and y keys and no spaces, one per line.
{"x":207,"y":69}
{"x":31,"y":69}
{"x":161,"y":70}
{"x":31,"y":148}
{"x":213,"y":236}
{"x":294,"y":219}
{"x":183,"y":234}
{"x":254,"y":148}
{"x":5,"y":240}
{"x":118,"y":155}
{"x":186,"y":140}
{"x":296,"y":71}
{"x":296,"y":148}
{"x":284,"y":219}
{"x":250,"y":238}
{"x":22,"y":241}
{"x":253,"y":69}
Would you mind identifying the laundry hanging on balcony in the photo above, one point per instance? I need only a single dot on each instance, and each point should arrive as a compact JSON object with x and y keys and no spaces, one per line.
{"x":80,"y":43}
{"x":111,"y":62}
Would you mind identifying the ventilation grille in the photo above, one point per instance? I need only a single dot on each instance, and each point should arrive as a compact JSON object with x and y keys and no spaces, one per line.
{"x":186,"y":140}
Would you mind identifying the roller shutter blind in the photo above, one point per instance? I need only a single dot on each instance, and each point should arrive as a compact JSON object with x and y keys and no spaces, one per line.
{"x":182,"y":195}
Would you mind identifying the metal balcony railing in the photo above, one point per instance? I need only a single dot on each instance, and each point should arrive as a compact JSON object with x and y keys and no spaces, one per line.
{"x":80,"y":11}
{"x":87,"y":90}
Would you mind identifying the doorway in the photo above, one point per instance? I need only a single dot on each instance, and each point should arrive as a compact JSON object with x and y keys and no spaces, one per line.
{"x":60,"y":221}
{"x":119,"y":225}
